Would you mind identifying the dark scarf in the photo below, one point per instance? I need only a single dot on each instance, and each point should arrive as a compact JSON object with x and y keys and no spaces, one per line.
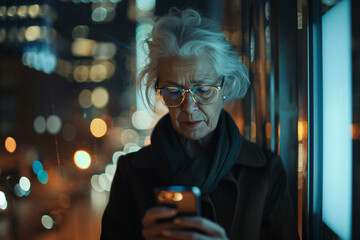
{"x":205,"y":171}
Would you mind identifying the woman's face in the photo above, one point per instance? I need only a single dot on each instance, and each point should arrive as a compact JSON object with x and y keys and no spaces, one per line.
{"x":191,"y":120}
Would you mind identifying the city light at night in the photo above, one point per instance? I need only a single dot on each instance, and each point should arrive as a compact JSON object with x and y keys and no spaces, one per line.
{"x":98,"y":127}
{"x":10,"y":144}
{"x":82,"y":159}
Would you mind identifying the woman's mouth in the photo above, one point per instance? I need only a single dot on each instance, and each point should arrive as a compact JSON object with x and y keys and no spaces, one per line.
{"x":191,"y":124}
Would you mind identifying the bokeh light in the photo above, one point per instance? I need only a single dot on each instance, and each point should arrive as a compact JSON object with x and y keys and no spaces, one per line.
{"x":69,"y":132}
{"x":2,"y":12}
{"x":33,"y":10}
{"x":116,"y":156}
{"x":20,"y":192}
{"x":44,"y":33}
{"x":145,"y":5}
{"x":44,"y":10}
{"x":47,"y":221}
{"x":95,"y":183}
{"x":114,"y":135}
{"x":80,"y":31}
{"x":53,"y":124}
{"x":11,"y":11}
{"x":99,"y":97}
{"x":105,"y":51}
{"x":40,"y":124}
{"x":98,"y":73}
{"x":81,"y":73}
{"x":37,"y":167}
{"x":85,"y":98}
{"x":25,"y":184}
{"x":104,"y":182}
{"x":110,"y":68}
{"x":43,"y":177}
{"x":82,"y":47}
{"x":22,"y":11}
{"x":129,"y":136}
{"x":99,"y":14}
{"x":32,"y":33}
{"x":3,"y":202}
{"x":10,"y":144}
{"x":142,"y":120}
{"x":110,"y":171}
{"x":98,"y":127}
{"x":82,"y":159}
{"x":131,"y":147}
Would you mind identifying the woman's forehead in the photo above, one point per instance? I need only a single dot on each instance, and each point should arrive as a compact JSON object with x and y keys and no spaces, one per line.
{"x":192,"y":69}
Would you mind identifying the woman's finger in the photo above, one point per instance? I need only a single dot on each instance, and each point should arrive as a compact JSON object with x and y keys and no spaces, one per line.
{"x":204,"y":225}
{"x":156,"y":230}
{"x":155,"y":213}
{"x":152,"y":228}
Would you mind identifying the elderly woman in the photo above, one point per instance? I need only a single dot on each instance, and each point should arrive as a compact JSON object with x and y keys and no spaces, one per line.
{"x":244,"y":192}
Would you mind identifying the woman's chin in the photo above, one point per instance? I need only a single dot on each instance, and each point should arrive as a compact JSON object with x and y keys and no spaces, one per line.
{"x":193,"y":135}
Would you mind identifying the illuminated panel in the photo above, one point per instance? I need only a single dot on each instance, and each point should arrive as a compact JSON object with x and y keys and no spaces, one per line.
{"x":337,"y":146}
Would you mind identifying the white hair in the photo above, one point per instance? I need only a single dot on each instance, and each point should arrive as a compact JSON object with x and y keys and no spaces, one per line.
{"x":187,"y":34}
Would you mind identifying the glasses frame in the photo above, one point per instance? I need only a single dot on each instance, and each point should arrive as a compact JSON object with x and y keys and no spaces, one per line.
{"x":189,"y":90}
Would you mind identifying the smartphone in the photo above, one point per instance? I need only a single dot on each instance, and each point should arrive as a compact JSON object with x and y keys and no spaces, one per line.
{"x":186,"y":200}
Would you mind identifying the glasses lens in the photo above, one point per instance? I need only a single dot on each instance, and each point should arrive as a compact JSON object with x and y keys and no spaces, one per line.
{"x":205,"y":95}
{"x":171,"y":96}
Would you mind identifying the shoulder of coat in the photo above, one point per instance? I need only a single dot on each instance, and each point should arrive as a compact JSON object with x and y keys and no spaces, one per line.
{"x":252,"y":155}
{"x":140,"y":159}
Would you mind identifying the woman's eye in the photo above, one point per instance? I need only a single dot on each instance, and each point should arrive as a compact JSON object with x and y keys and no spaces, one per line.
{"x":203,"y":90}
{"x":172,"y":90}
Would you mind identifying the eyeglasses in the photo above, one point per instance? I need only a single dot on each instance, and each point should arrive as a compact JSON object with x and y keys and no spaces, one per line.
{"x":204,"y":95}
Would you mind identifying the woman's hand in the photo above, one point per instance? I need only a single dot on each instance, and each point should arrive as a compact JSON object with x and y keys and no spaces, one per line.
{"x":207,"y":230}
{"x":153,"y":228}
{"x":181,"y":228}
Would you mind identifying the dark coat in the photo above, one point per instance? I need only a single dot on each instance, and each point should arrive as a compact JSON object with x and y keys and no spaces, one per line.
{"x":250,"y":202}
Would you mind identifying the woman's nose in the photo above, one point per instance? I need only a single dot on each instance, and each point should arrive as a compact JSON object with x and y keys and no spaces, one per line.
{"x":189,"y":105}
